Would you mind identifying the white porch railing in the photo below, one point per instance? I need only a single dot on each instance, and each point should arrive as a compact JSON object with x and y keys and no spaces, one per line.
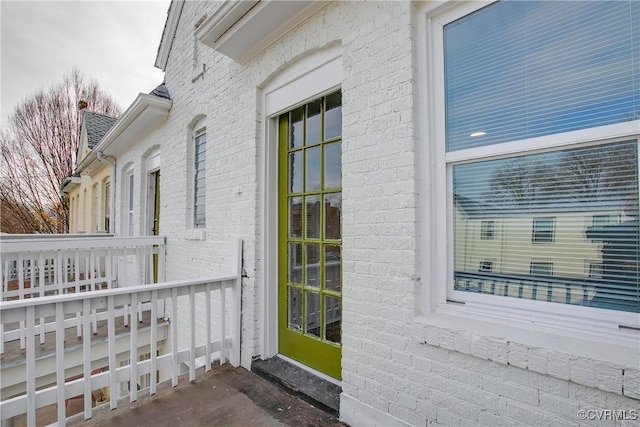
{"x":38,"y":265}
{"x":106,"y":361}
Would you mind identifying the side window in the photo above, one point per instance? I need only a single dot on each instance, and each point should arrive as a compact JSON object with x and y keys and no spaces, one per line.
{"x":107,"y":206}
{"x":200,"y":179}
{"x":129,"y":198}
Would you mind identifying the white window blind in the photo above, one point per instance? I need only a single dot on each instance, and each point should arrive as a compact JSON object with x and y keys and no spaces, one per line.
{"x":517,"y":70}
{"x":566,"y":217}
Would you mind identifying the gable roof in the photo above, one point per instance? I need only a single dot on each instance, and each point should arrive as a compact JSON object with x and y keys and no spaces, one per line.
{"x":96,"y":125}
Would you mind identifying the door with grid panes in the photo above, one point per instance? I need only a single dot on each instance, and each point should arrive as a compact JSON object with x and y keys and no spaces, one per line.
{"x":310,"y":206}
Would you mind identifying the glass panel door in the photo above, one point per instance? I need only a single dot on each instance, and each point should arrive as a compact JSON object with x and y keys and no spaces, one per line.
{"x":310,"y":205}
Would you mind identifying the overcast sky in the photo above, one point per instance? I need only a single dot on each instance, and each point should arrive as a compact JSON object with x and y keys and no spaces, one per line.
{"x":114,"y":42}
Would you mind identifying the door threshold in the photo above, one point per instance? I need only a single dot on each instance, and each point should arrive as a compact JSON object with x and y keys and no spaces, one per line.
{"x":300,"y":382}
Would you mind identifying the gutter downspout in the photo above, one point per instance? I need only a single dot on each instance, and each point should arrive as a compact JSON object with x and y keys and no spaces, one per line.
{"x":101,"y":158}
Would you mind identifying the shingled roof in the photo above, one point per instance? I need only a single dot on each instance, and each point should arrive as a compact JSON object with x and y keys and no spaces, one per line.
{"x":97,"y":126}
{"x":161,"y":91}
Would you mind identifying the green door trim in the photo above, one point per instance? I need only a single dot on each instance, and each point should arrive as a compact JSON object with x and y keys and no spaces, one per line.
{"x":311,"y":349}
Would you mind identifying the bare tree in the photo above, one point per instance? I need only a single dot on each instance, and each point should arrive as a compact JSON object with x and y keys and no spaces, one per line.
{"x":38,"y":150}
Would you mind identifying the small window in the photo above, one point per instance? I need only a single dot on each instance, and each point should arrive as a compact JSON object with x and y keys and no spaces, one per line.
{"x":200,"y":179}
{"x":543,"y":230}
{"x":541,"y":268}
{"x":487,"y":230}
{"x":486,"y":266}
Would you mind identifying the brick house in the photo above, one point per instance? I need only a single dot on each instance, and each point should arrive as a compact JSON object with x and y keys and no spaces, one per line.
{"x":333,"y":138}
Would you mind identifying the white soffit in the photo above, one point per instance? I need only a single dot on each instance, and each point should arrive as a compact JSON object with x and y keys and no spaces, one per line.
{"x":143,"y":115}
{"x":241,"y":29}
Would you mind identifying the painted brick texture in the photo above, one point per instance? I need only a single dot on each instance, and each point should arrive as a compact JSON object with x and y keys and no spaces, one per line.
{"x":413,"y":372}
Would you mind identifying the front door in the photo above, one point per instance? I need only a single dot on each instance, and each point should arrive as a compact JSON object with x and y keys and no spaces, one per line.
{"x":309,"y":254}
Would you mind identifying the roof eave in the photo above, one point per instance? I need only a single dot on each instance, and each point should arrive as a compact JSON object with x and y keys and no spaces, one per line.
{"x":144,"y":114}
{"x":242,"y":29}
{"x":168,"y":34}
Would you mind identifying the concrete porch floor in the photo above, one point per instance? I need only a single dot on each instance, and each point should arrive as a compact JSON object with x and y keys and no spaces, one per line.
{"x":225,"y":396}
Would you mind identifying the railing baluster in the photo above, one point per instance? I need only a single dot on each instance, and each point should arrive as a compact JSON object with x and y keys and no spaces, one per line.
{"x":208,"y":318}
{"x":223,"y":323}
{"x":20,"y":276}
{"x":111,"y":338}
{"x":133,"y":354}
{"x":162,"y":256}
{"x":139,"y":266}
{"x":174,"y":337}
{"x":41,"y":272}
{"x":108,"y":268}
{"x":76,"y":260}
{"x":60,"y":375}
{"x":154,"y":342}
{"x":59,"y":271}
{"x":93,"y":285}
{"x":31,"y":366}
{"x":4,"y":277}
{"x":86,"y":357}
{"x":76,"y":269}
{"x":192,"y":341}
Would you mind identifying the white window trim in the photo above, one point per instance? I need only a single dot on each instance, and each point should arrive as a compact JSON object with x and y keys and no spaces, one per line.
{"x":588,"y":332}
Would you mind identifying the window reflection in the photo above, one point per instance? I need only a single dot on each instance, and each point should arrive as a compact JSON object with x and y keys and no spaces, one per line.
{"x":314,"y":122}
{"x":333,"y":165}
{"x":313,"y":168}
{"x":296,"y":137}
{"x":564,"y":226}
{"x":333,"y":212}
{"x":295,"y":172}
{"x":333,"y":116}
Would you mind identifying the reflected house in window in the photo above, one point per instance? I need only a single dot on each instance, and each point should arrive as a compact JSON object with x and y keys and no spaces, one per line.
{"x":591,"y":265}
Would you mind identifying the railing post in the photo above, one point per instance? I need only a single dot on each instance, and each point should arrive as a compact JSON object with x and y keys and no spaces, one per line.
{"x":236,"y":303}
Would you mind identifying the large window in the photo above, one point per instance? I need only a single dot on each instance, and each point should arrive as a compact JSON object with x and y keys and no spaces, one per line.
{"x":200,"y":179}
{"x":540,"y":133}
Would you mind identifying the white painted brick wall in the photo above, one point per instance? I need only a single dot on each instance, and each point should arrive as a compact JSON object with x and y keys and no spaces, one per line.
{"x":415,"y":373}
